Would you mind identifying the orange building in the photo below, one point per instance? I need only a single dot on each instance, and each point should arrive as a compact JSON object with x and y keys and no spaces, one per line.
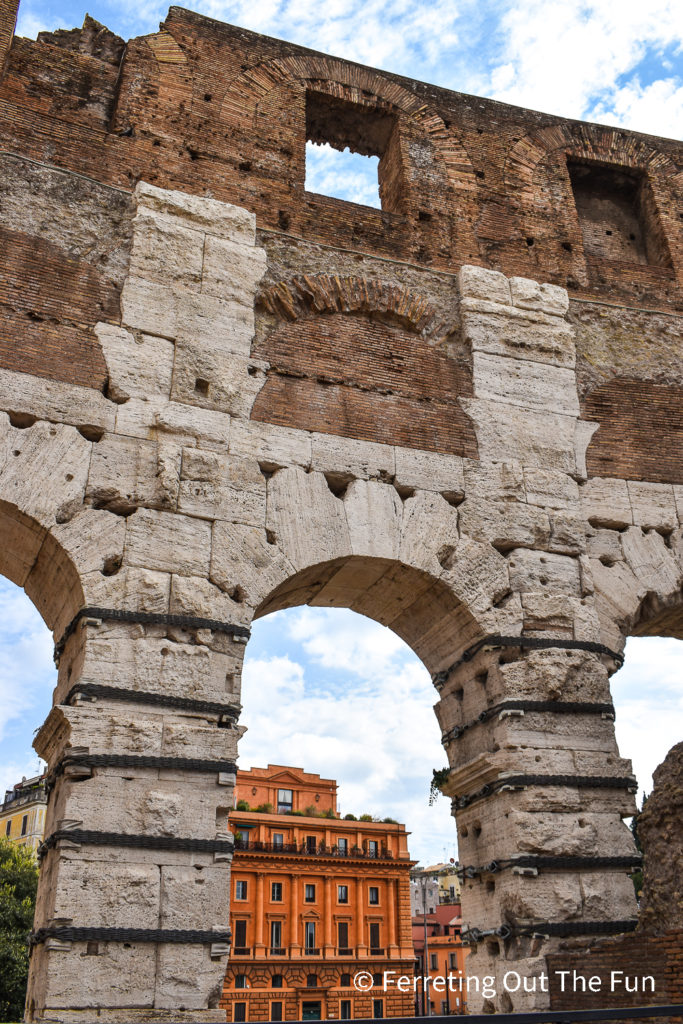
{"x":315,"y":899}
{"x":444,"y":963}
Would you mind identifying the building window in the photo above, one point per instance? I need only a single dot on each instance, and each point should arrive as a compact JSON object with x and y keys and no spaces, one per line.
{"x":377,"y":1008}
{"x":433,"y":962}
{"x":374,"y":938}
{"x":8,"y":827}
{"x":343,"y":846}
{"x":278,"y":840}
{"x":276,"y":937}
{"x":345,"y":980}
{"x":240,"y":890}
{"x":276,"y":981}
{"x":373,"y":896}
{"x":285,"y":801}
{"x":276,"y":1011}
{"x":309,"y":893}
{"x":239,"y":1012}
{"x":343,"y":936}
{"x":345,"y":1009}
{"x":377,"y":979}
{"x":311,"y":981}
{"x":24,"y":824}
{"x":452,"y":961}
{"x":276,"y":892}
{"x":240,"y":936}
{"x":240,"y":981}
{"x":309,"y":935}
{"x":311,"y":844}
{"x":373,"y":848}
{"x":342,"y":894}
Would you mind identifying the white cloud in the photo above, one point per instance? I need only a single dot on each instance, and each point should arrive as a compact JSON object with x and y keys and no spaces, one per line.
{"x":656,"y":109}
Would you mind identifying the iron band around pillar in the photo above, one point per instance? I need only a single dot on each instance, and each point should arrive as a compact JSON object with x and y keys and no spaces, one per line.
{"x":530,"y":642}
{"x":550,"y":929}
{"x":534,"y":863}
{"x":149,"y":619}
{"x":627,"y":782}
{"x":557,"y":707}
{"x":185,"y":764}
{"x":69,"y":934}
{"x":226,"y":711}
{"x":92,"y":838}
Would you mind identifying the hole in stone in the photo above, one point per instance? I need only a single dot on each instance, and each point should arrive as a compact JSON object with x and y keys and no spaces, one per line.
{"x":459,"y":693}
{"x":201,"y":386}
{"x":567,"y":246}
{"x":453,"y":498}
{"x":111,"y":565}
{"x":207,"y":97}
{"x":424,"y":216}
{"x":492,"y":948}
{"x":92,"y":948}
{"x":16,"y":452}
{"x":479,"y":174}
{"x":464,"y":831}
{"x":506,"y":1003}
{"x":606,"y":560}
{"x":477,"y":829}
{"x":271,"y":537}
{"x":338,"y":483}
{"x":164,"y":652}
{"x":69,"y":477}
{"x":582,"y":822}
{"x":481,"y":678}
{"x":21,"y":420}
{"x":404,"y":492}
{"x":490,"y":886}
{"x":91,"y":433}
{"x":245,"y":165}
{"x":156,"y":142}
{"x":193,"y":153}
{"x":267,"y":469}
{"x":252,"y":370}
{"x":530,"y":242}
{"x":444,"y":556}
{"x":283,"y":220}
{"x":237,"y":594}
{"x":608,"y":232}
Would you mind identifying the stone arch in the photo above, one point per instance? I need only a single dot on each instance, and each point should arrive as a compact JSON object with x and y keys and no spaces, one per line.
{"x":241,"y":101}
{"x":327,"y":293}
{"x":587,"y":142}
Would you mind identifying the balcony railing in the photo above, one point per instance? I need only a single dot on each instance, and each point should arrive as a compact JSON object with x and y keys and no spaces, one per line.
{"x":311,"y":951}
{"x":303,"y":849}
{"x":241,"y":950}
{"x":376,"y":951}
{"x":277,"y":950}
{"x":344,"y":951}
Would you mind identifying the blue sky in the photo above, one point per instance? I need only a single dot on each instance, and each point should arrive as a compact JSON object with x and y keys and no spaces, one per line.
{"x":365,"y":716}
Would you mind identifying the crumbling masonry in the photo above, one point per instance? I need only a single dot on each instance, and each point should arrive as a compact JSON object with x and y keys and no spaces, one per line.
{"x":223,"y":395}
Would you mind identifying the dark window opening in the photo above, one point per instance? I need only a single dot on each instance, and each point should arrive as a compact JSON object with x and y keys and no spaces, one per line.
{"x":617,"y":214}
{"x":276,"y":1011}
{"x":24,"y":824}
{"x":276,"y":981}
{"x":239,"y":1013}
{"x":352,"y":152}
{"x":345,"y":1009}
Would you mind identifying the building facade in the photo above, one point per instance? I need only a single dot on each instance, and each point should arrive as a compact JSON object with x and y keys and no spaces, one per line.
{"x":22,"y":816}
{"x":440,"y":957}
{"x":315,"y":898}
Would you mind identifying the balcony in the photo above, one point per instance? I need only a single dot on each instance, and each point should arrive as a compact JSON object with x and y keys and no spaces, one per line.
{"x":304,"y":850}
{"x":344,"y":951}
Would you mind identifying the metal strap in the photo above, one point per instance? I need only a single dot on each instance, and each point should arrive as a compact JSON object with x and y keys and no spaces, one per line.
{"x":69,"y":934}
{"x":148,"y":619}
{"x":558,"y":707}
{"x":541,"y":863}
{"x":575,"y":781}
{"x":208,"y":707}
{"x":530,"y":642}
{"x":552,"y":928}
{"x":92,"y":838}
{"x":186,"y":764}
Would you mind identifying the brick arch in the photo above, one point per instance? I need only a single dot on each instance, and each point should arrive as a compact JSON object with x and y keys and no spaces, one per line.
{"x":242,"y":99}
{"x":582,"y":142}
{"x":327,"y":293}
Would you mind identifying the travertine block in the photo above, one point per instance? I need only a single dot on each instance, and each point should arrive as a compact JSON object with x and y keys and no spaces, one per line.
{"x":653,"y":506}
{"x":494,"y":481}
{"x":126,"y":472}
{"x":525,"y":334}
{"x":567,"y":533}
{"x":243,"y":558}
{"x":189,"y":978}
{"x":55,"y":400}
{"x":307,"y":519}
{"x":534,"y":570}
{"x":480,"y":283}
{"x":547,"y":298}
{"x":167,"y":251}
{"x":130,"y":587}
{"x":506,"y":525}
{"x":506,"y":432}
{"x":477,"y":574}
{"x":583,"y":435}
{"x":124,"y":896}
{"x":347,"y":457}
{"x":429,"y":471}
{"x":168,"y":543}
{"x":606,"y":503}
{"x":206,"y":425}
{"x":232,"y":488}
{"x":137,"y":366}
{"x":652,"y":562}
{"x":522,"y":382}
{"x":210,"y":215}
{"x":678,"y":496}
{"x":272,"y":446}
{"x":43,"y":470}
{"x":429,"y":531}
{"x":549,"y":488}
{"x":218,"y":325}
{"x":94,"y":540}
{"x":232,"y":270}
{"x":213,"y":379}
{"x":125,"y":973}
{"x":373,"y":515}
{"x":192,"y":595}
{"x":192,"y":898}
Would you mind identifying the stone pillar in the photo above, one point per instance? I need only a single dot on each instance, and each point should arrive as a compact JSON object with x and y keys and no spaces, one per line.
{"x":329,"y":938}
{"x":260,"y":949}
{"x":392,"y":946}
{"x":362,"y":947}
{"x":295,"y":924}
{"x":529,"y":820}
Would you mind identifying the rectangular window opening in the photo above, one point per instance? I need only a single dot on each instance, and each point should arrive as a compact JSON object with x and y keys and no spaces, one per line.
{"x":351,"y":151}
{"x":617,"y":213}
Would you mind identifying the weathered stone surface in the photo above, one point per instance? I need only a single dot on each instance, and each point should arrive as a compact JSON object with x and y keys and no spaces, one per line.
{"x":505,"y":433}
{"x":505,"y":525}
{"x":273,"y":447}
{"x":245,"y":560}
{"x":166,"y":542}
{"x":534,"y":570}
{"x":127,"y":472}
{"x":606,"y":503}
{"x":549,"y":488}
{"x":546,"y":298}
{"x":525,"y":334}
{"x":373,"y":515}
{"x":530,"y":385}
{"x":653,"y":506}
{"x":22,"y":393}
{"x":214,"y":379}
{"x":138,"y":366}
{"x":307,"y":519}
{"x":210,"y":215}
{"x":347,"y":458}
{"x":659,"y":831}
{"x":232,"y":270}
{"x":480,"y":283}
{"x":218,"y":486}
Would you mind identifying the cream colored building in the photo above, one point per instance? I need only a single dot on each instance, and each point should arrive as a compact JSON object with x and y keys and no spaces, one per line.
{"x":22,"y":816}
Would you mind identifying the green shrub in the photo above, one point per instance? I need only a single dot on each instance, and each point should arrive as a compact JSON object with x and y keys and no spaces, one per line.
{"x":18,"y":884}
{"x":350,"y":817}
{"x":365,"y":817}
{"x":264,"y":809}
{"x":242,"y":805}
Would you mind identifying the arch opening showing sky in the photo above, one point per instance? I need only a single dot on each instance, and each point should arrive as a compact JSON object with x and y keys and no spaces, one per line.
{"x":335,"y":693}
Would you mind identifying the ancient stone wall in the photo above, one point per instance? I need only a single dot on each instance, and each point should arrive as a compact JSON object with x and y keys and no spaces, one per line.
{"x":222,"y":396}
